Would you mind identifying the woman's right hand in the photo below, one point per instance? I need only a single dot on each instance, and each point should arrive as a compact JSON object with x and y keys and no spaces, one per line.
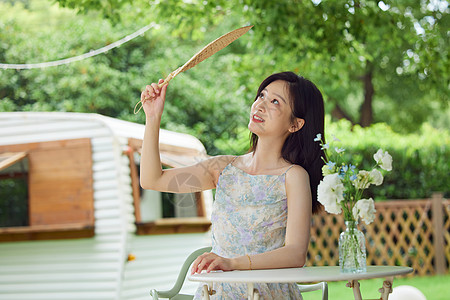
{"x":153,"y":99}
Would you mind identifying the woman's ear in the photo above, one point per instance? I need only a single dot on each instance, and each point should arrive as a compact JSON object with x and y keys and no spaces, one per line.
{"x":297,"y":124}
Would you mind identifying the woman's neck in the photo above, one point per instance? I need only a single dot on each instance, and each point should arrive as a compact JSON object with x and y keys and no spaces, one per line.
{"x":267,"y":156}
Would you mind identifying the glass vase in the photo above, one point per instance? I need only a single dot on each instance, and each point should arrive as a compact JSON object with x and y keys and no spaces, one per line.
{"x":352,"y":249}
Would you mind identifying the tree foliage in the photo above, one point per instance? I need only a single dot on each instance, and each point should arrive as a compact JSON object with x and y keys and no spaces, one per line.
{"x":111,"y":83}
{"x":370,"y":57}
{"x":212,"y":101}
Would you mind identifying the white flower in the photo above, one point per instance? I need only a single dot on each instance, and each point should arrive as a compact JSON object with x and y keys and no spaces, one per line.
{"x":335,"y":138}
{"x":339,"y":150}
{"x":365,"y":209}
{"x":383,"y":159}
{"x":318,"y":138}
{"x":362,"y":180}
{"x":330,"y":193}
{"x":376,"y":177}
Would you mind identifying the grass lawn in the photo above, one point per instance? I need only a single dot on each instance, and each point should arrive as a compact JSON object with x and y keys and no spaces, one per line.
{"x":433,"y":287}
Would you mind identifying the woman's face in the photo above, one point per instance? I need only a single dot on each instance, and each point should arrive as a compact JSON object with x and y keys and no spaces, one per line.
{"x":271,"y":113}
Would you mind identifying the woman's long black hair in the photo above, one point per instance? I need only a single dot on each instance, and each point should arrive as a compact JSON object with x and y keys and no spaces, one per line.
{"x":299,"y":147}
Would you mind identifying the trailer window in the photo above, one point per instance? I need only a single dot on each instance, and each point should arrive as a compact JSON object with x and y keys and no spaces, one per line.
{"x":159,"y":212}
{"x":13,"y":189}
{"x":46,"y":190}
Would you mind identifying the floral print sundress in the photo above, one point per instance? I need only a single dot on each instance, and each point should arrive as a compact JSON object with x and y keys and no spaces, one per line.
{"x":249,"y":216}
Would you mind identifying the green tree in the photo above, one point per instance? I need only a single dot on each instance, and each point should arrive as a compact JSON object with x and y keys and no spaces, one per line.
{"x":212,"y":100}
{"x":364,"y":42}
{"x":371,"y":58}
{"x":111,"y":83}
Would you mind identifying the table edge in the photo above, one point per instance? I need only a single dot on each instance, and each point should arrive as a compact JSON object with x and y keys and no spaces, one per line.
{"x":400,"y":270}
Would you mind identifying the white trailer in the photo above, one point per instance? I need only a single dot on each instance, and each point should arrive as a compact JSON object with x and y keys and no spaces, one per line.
{"x":74,"y":223}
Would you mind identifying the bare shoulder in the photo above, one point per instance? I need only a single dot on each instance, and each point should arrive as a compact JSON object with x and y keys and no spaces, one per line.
{"x":297,"y":175}
{"x":216,"y":164}
{"x":220,"y":161}
{"x":298,"y":187}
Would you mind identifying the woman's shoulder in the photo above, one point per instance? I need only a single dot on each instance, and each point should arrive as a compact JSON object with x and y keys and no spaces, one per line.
{"x":216,"y":164}
{"x":297,"y":184}
{"x":222,"y":160}
{"x":296,"y":173}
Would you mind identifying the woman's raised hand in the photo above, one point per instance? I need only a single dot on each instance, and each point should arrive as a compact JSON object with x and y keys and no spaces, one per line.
{"x":153,"y":98}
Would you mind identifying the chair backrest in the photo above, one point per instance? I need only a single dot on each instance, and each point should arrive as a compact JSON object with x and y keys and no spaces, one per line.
{"x":314,"y":287}
{"x":173,"y":293}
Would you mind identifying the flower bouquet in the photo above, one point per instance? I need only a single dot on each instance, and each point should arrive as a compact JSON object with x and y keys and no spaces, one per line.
{"x":341,"y":190}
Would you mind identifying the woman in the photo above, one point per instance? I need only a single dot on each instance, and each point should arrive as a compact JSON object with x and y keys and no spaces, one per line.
{"x":265,"y":198}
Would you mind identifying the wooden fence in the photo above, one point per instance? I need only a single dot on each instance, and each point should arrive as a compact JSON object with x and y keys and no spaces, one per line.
{"x":414,"y":233}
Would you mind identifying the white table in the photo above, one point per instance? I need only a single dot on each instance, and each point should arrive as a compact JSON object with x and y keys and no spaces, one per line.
{"x":301,"y":275}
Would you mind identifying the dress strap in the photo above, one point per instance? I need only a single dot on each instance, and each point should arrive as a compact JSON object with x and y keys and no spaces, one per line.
{"x":287,"y":170}
{"x":229,"y":164}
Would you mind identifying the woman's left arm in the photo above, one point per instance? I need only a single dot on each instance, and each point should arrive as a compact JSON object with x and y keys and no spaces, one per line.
{"x":293,"y":253}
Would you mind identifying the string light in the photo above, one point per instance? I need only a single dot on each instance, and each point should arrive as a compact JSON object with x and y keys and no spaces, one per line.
{"x":79,"y":57}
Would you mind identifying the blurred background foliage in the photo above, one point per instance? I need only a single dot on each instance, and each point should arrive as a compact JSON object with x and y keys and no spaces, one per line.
{"x":420,"y":160}
{"x":382,"y":66}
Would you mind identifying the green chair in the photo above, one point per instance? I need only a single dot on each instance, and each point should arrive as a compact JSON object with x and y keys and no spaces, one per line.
{"x":173,"y":293}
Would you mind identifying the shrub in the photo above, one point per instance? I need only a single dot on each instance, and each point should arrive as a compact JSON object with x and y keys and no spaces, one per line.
{"x":420,"y":160}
